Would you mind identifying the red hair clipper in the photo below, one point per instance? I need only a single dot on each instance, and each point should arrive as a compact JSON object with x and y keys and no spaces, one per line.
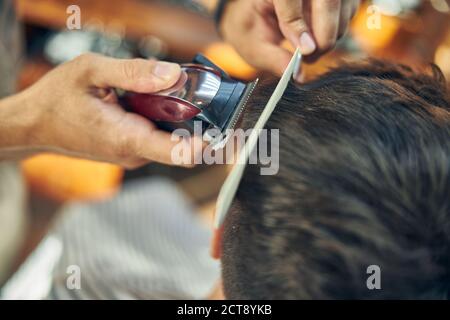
{"x":203,"y":93}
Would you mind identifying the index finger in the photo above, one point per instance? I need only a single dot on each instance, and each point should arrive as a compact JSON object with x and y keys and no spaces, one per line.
{"x":137,"y":75}
{"x":292,"y":23}
{"x":325,"y":17}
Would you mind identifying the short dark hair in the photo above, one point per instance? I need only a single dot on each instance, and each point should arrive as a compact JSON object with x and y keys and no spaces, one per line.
{"x":364,"y":179}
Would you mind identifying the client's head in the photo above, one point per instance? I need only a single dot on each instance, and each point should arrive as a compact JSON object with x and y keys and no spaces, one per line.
{"x":364,"y":180}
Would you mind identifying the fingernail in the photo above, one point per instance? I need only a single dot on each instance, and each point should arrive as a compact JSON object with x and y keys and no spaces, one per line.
{"x":300,"y":77}
{"x":307,"y":44}
{"x":166,"y":70}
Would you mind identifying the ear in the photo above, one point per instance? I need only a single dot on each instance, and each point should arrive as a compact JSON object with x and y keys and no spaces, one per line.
{"x":216,"y":243}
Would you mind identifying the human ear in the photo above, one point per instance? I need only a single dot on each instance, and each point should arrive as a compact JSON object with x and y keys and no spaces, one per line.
{"x":216,"y":243}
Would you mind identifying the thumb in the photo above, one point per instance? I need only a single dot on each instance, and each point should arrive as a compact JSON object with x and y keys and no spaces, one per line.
{"x":291,"y":20}
{"x":138,"y":75}
{"x":140,"y":138}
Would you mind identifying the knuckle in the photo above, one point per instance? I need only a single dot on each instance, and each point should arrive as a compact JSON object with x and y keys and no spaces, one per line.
{"x":298,"y":25}
{"x":82,"y":64}
{"x":128,"y":145}
{"x":290,"y":17}
{"x":124,"y":148}
{"x":130,"y":69}
{"x":287,"y":12}
{"x":85,"y":59}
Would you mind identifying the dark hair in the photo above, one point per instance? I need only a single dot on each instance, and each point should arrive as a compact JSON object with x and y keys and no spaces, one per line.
{"x":364,"y":180}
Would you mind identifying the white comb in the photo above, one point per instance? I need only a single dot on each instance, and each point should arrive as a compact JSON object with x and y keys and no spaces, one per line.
{"x":231,"y":184}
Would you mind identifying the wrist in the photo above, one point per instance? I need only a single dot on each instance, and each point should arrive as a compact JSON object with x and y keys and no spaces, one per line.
{"x":18,"y":119}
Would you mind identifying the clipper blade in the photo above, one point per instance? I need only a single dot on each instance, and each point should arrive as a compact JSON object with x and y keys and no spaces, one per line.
{"x":219,"y":143}
{"x":242,"y":104}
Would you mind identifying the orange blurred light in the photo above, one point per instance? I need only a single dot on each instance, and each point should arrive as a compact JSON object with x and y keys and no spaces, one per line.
{"x":63,"y":179}
{"x":229,"y":60}
{"x":372,"y":30}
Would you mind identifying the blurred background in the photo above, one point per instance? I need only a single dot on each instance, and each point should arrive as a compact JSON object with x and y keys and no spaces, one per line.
{"x":413,"y":32}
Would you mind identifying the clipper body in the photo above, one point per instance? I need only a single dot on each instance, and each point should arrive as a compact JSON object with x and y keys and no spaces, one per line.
{"x":203,"y":93}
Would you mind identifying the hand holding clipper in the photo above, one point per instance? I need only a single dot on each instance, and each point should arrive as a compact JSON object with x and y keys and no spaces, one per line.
{"x":203,"y":93}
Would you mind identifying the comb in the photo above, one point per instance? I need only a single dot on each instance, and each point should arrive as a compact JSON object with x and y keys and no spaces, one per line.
{"x":231,"y":184}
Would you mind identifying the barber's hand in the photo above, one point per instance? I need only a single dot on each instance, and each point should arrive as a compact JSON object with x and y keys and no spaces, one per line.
{"x":256,"y":28}
{"x":75,"y":113}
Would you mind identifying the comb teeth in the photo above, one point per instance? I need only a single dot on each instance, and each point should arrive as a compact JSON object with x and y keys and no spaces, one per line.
{"x":246,"y":96}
